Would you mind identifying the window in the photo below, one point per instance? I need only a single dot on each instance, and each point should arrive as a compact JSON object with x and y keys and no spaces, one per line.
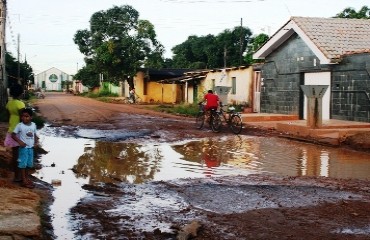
{"x":233,"y":85}
{"x":53,"y":78}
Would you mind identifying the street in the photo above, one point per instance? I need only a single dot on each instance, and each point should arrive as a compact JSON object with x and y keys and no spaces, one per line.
{"x":234,"y":207}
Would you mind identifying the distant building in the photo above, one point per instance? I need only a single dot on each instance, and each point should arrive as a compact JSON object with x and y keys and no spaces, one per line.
{"x":52,"y":79}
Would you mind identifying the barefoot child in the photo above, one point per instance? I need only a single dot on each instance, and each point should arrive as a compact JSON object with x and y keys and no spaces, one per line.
{"x":25,"y":134}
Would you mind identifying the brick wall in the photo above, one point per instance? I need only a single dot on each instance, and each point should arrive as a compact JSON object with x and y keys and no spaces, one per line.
{"x":351,"y":89}
{"x":282,"y":73}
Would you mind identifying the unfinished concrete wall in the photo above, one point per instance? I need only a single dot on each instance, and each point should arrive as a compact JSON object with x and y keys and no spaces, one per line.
{"x":351,"y":88}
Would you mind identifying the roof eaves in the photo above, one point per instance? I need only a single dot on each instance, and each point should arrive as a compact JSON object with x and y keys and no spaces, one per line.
{"x":282,"y":35}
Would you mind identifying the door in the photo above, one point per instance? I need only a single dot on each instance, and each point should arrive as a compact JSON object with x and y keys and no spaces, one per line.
{"x":257,"y":91}
{"x":320,"y":78}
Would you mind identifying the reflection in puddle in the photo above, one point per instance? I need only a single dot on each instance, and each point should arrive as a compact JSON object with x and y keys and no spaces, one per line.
{"x":82,"y":161}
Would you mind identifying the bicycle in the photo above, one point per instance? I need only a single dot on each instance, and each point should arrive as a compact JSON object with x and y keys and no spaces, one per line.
{"x":131,"y":100}
{"x":201,"y":117}
{"x":231,"y":117}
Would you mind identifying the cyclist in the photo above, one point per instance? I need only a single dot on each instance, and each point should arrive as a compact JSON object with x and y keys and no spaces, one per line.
{"x":212,"y":102}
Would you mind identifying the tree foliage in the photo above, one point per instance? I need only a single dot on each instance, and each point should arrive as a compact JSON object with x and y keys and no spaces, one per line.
{"x":211,"y":51}
{"x":88,"y":75}
{"x":118,"y":43}
{"x":25,"y":71}
{"x":256,"y":43}
{"x":363,"y":13}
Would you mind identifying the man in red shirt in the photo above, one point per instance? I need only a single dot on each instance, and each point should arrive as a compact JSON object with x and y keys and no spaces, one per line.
{"x":212,"y":100}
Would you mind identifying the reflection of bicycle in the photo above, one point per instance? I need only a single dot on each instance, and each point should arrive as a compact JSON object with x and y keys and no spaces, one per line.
{"x":204,"y":115}
{"x":231,"y":117}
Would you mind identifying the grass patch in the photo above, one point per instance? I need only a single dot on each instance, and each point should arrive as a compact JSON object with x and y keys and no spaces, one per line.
{"x":181,"y":109}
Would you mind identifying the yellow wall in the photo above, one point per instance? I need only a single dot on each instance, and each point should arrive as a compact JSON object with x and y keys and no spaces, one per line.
{"x":156,"y":92}
{"x":164,"y":93}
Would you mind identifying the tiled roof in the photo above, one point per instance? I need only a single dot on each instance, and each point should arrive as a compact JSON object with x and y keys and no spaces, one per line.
{"x":336,"y":37}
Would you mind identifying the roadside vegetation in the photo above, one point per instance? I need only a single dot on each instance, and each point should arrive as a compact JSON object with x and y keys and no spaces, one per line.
{"x":181,"y":109}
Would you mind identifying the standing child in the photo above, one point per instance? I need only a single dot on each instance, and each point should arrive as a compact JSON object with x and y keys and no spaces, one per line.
{"x":25,"y":135}
{"x":14,"y":107}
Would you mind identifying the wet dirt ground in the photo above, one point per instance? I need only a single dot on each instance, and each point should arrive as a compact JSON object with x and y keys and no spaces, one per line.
{"x":239,"y":207}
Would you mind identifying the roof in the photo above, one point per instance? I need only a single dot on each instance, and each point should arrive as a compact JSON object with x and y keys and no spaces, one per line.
{"x":165,"y":73}
{"x":52,"y":68}
{"x":329,"y":38}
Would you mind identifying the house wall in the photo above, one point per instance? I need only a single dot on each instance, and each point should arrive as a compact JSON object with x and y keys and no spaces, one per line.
{"x":282,"y":75}
{"x":351,"y":89}
{"x":163,"y":93}
{"x":107,"y":86}
{"x":156,"y":92}
{"x":139,"y":85}
{"x":221,"y":83}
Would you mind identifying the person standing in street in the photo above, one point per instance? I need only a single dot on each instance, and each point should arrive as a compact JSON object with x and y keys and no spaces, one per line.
{"x":25,"y":135}
{"x":14,"y":107}
{"x":132,"y":95}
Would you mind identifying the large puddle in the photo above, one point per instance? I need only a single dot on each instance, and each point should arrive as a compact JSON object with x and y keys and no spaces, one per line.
{"x":77,"y":161}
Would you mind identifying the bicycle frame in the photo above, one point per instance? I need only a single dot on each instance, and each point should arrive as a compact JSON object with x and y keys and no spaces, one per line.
{"x":232,"y":118}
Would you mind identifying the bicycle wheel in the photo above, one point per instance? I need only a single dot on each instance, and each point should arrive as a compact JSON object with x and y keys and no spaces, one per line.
{"x":236,"y":124}
{"x":199,"y":121}
{"x":216,"y":122}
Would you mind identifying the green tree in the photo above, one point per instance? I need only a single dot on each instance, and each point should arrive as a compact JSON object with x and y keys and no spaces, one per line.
{"x":118,"y":43}
{"x":363,"y":13}
{"x":212,"y":51}
{"x":255,"y":43}
{"x":88,"y":75}
{"x":25,"y":75}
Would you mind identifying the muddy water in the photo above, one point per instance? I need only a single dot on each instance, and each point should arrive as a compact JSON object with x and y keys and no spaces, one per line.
{"x":77,"y":161}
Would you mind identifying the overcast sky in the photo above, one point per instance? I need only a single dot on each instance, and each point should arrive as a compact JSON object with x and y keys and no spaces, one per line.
{"x":46,"y":27}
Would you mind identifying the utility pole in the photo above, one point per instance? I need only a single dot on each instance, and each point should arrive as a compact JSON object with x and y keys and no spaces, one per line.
{"x":225,"y":56}
{"x":3,"y":76}
{"x":19,"y":60}
{"x":241,"y":42}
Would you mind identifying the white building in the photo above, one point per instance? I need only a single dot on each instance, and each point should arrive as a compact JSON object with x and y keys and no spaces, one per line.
{"x":51,"y":79}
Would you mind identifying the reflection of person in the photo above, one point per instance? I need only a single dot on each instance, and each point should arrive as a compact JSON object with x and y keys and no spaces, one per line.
{"x":132,"y":95}
{"x":211,"y":160}
{"x":14,"y":108}
{"x":25,"y":135}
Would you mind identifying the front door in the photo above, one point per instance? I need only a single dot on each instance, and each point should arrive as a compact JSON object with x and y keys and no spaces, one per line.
{"x":257,"y":91}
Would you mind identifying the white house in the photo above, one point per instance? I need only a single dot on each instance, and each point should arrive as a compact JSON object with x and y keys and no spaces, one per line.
{"x":51,"y":79}
{"x":233,"y":85}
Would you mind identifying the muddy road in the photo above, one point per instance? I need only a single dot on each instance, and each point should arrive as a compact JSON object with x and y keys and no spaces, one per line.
{"x":234,"y":207}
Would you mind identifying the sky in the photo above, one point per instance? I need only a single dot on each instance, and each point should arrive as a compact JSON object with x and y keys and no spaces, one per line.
{"x":43,"y":30}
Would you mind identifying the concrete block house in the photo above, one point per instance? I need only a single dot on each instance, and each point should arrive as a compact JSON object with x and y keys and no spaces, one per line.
{"x":318,"y":51}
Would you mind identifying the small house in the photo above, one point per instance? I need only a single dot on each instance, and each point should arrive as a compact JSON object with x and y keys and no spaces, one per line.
{"x":334,"y":52}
